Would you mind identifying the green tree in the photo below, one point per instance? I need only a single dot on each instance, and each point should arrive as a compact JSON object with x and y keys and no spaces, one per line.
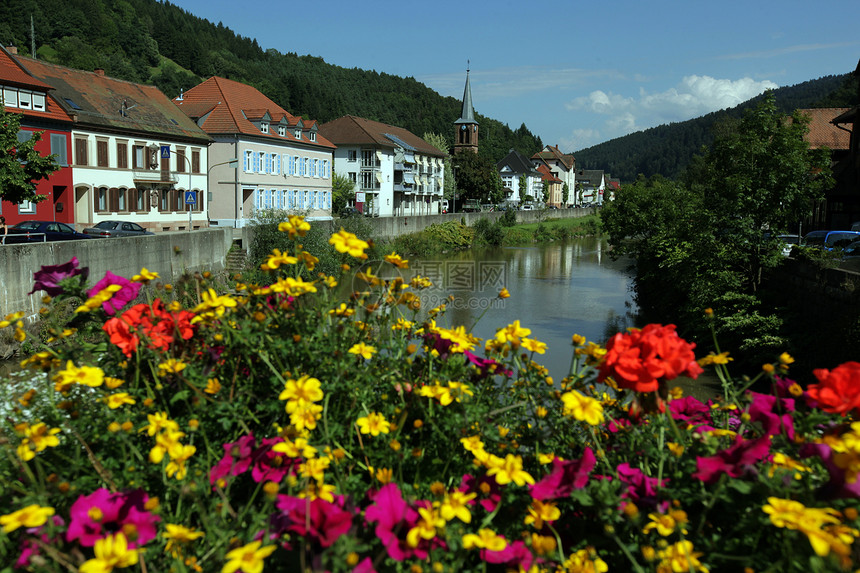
{"x":341,"y":191}
{"x":21,"y":166}
{"x":477,"y":179}
{"x":524,"y":184}
{"x":565,"y":193}
{"x":544,"y":191}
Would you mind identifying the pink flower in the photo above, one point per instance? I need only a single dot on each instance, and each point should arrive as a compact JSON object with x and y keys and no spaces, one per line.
{"x":316,"y":519}
{"x":120,"y":298}
{"x":49,"y":276}
{"x":393,"y":518}
{"x":487,"y":366}
{"x":690,"y":410}
{"x":773,"y":416}
{"x":565,"y":477}
{"x":515,"y":556}
{"x":101,"y":513}
{"x":734,"y":461}
{"x":837,"y":487}
{"x":364,"y":566}
{"x":237,"y":458}
{"x":640,"y":488}
{"x":270,"y":465}
{"x":489,"y":492}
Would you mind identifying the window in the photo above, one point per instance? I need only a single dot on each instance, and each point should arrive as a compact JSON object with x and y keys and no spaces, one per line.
{"x":276,"y":164}
{"x":312,"y":136}
{"x":58,"y":148}
{"x":293,"y":165}
{"x":285,"y":200}
{"x":121,"y":155}
{"x":249,"y":161}
{"x":307,"y":202}
{"x":282,"y":130}
{"x":27,"y":207}
{"x":352,"y":155}
{"x":140,"y":199}
{"x":117,"y":200}
{"x":81,"y":152}
{"x":353,"y":177}
{"x":264,"y":127}
{"x":266,"y":166}
{"x":326,"y":173}
{"x":24,"y":100}
{"x":38,"y":102}
{"x":312,"y":167}
{"x":300,"y":200}
{"x":10,"y":97}
{"x":102,"y":153}
{"x":138,"y":157}
{"x":298,"y":133}
{"x":180,"y":160}
{"x":195,"y":161}
{"x":102,"y":199}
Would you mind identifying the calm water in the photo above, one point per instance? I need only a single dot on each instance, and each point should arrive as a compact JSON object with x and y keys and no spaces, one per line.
{"x":557,"y":290}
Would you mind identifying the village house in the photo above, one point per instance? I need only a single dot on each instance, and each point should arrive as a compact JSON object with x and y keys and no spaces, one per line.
{"x":561,"y":165}
{"x":28,"y":96}
{"x":262,"y":157}
{"x":841,"y":207}
{"x":134,"y":156}
{"x":553,"y":186}
{"x":591,"y":186}
{"x":512,"y":169}
{"x":396,"y":173}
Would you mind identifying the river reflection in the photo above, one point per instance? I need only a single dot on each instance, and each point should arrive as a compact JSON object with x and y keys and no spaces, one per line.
{"x":557,"y":290}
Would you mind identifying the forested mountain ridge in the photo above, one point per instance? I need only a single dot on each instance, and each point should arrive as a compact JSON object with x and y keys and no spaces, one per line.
{"x":667,"y":149}
{"x":147,"y":41}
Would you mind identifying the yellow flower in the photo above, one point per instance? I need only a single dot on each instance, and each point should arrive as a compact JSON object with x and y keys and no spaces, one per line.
{"x":172,"y":366}
{"x":373,"y":424}
{"x":177,"y":536}
{"x":541,"y":512}
{"x":304,"y":415}
{"x":111,"y":552}
{"x":36,"y":438}
{"x":314,"y":468}
{"x":30,"y":516}
{"x":680,"y":557}
{"x":504,"y":293}
{"x":585,"y":561}
{"x":577,"y":340}
{"x":534,"y":345}
{"x":456,"y":504}
{"x":512,"y":333}
{"x":384,"y":475}
{"x":295,"y":225}
{"x":485,"y":539}
{"x":342,"y":310}
{"x":676,"y":449}
{"x":397,"y":261}
{"x":472,"y":443}
{"x":666,"y":523}
{"x":178,"y":456}
{"x":212,"y":386}
{"x":583,"y":408}
{"x":364,"y":350}
{"x":145,"y":276}
{"x":786,"y":359}
{"x":276,"y":259}
{"x":462,"y":340}
{"x":85,"y":375}
{"x":426,"y":526}
{"x":507,"y":470}
{"x":119,"y":399}
{"x":346,"y":242}
{"x":783,"y":462}
{"x":721,"y":358}
{"x":305,"y":389}
{"x":248,"y":558}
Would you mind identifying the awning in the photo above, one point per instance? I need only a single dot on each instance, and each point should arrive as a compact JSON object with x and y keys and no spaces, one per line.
{"x":409,"y":158}
{"x":408,"y":177}
{"x":379,"y":177}
{"x":379,"y":155}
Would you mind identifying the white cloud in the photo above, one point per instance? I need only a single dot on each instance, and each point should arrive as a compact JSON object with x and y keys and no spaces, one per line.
{"x":694,"y":96}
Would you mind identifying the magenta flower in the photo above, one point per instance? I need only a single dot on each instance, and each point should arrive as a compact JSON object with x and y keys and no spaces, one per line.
{"x":734,"y":461}
{"x":49,"y":277}
{"x":515,"y":556}
{"x":690,"y":411}
{"x":838,"y":486}
{"x":270,"y":465}
{"x":237,"y":458}
{"x":566,"y":476}
{"x":393,"y":518}
{"x":101,"y":513}
{"x":487,"y":366}
{"x":316,"y":519}
{"x":641,"y":489}
{"x":488,"y":490}
{"x":120,"y":298}
{"x":774,"y":417}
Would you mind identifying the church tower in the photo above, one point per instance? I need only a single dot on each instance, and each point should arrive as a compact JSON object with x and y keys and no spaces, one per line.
{"x":466,"y":128}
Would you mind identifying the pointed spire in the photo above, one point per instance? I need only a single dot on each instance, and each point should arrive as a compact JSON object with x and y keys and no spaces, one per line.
{"x":468,"y":113}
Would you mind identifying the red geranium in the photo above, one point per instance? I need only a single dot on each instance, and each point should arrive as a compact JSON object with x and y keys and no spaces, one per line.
{"x":156,"y":323}
{"x":640,"y":359}
{"x":838,"y":390}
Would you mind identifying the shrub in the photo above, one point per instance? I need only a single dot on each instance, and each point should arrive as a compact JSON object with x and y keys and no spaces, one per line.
{"x":509,"y":219}
{"x":288,"y":428}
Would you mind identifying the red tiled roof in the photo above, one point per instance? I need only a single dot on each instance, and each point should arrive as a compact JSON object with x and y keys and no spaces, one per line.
{"x":553,"y":152}
{"x":12,"y":73}
{"x":822,"y":133}
{"x":223,"y":106}
{"x":351,"y":130}
{"x":547,"y":174}
{"x":108,"y":103}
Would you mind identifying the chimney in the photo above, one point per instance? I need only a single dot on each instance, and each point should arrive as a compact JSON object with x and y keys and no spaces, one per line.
{"x":99,"y":71}
{"x":12,"y":50}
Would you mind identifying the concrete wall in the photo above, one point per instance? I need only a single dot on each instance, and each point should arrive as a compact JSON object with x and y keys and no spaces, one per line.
{"x":168,"y":254}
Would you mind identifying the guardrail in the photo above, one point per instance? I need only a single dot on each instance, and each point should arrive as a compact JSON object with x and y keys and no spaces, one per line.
{"x":26,"y":238}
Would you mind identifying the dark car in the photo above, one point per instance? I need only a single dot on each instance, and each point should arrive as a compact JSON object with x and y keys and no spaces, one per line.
{"x":41,"y":231}
{"x":347,"y":212}
{"x":117,"y":229}
{"x":815,"y":239}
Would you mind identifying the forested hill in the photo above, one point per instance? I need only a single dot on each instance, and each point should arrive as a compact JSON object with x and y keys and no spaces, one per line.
{"x":159,"y":43}
{"x":667,"y":149}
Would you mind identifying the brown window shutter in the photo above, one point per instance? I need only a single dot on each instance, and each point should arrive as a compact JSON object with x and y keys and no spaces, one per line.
{"x":180,"y":160}
{"x":195,"y":161}
{"x":102,"y":153}
{"x":80,"y":152}
{"x":113,"y":200}
{"x":122,"y":156}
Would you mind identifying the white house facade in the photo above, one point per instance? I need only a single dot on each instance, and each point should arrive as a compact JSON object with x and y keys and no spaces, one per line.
{"x":512,"y":169}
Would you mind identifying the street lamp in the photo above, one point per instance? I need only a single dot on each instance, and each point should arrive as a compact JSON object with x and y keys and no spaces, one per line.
{"x":232,"y":163}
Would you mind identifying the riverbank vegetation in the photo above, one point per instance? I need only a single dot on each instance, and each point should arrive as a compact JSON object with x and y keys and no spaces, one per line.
{"x":707,"y":240}
{"x":289,"y":427}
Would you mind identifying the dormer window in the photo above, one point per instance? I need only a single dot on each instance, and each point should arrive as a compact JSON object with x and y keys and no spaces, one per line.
{"x":298,"y":134}
{"x":264,"y":127}
{"x":282,"y":130}
{"x":313,"y":136}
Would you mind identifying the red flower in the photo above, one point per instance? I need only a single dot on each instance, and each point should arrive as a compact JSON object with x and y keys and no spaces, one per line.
{"x":838,"y":390}
{"x":641,"y":359}
{"x":154,"y":322}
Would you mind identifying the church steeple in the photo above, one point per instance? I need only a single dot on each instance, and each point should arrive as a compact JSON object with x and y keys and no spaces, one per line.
{"x":466,"y":128}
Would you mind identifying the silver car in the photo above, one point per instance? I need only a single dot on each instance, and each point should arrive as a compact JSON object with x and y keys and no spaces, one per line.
{"x":117,"y":229}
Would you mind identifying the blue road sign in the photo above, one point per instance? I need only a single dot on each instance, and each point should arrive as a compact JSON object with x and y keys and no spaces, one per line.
{"x":190,"y":198}
{"x":165,"y":152}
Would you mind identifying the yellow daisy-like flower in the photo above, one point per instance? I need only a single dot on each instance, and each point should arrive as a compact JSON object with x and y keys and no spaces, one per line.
{"x":177,"y":536}
{"x":485,"y":539}
{"x":680,"y":557}
{"x":346,"y":242}
{"x":342,"y":310}
{"x":397,"y":261}
{"x":305,"y":389}
{"x":583,"y":408}
{"x":212,"y":386}
{"x":504,"y":293}
{"x":30,"y":516}
{"x":118,"y":400}
{"x":145,"y":276}
{"x":364,"y":350}
{"x":248,"y":558}
{"x":540,"y":513}
{"x":85,"y":375}
{"x":507,"y":470}
{"x":456,"y":505}
{"x":111,"y":552}
{"x":426,"y":526}
{"x":534,"y":345}
{"x":585,"y":561}
{"x":172,"y":366}
{"x":276,"y":259}
{"x":295,"y":225}
{"x":373,"y":424}
{"x":512,"y":333}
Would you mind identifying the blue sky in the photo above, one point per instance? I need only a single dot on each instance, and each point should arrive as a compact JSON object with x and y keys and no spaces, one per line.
{"x":576,"y":73}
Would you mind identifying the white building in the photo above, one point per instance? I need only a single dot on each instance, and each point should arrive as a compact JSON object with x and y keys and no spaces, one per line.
{"x":561,"y":165}
{"x":262,"y":156}
{"x":512,"y":168}
{"x":396,"y":173}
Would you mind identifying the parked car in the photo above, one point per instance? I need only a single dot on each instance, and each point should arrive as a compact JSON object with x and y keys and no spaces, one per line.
{"x":840,"y":239}
{"x":815,"y":239}
{"x":41,"y":231}
{"x":528,"y":207}
{"x":788,"y":241}
{"x":347,"y":212}
{"x":117,"y":229}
